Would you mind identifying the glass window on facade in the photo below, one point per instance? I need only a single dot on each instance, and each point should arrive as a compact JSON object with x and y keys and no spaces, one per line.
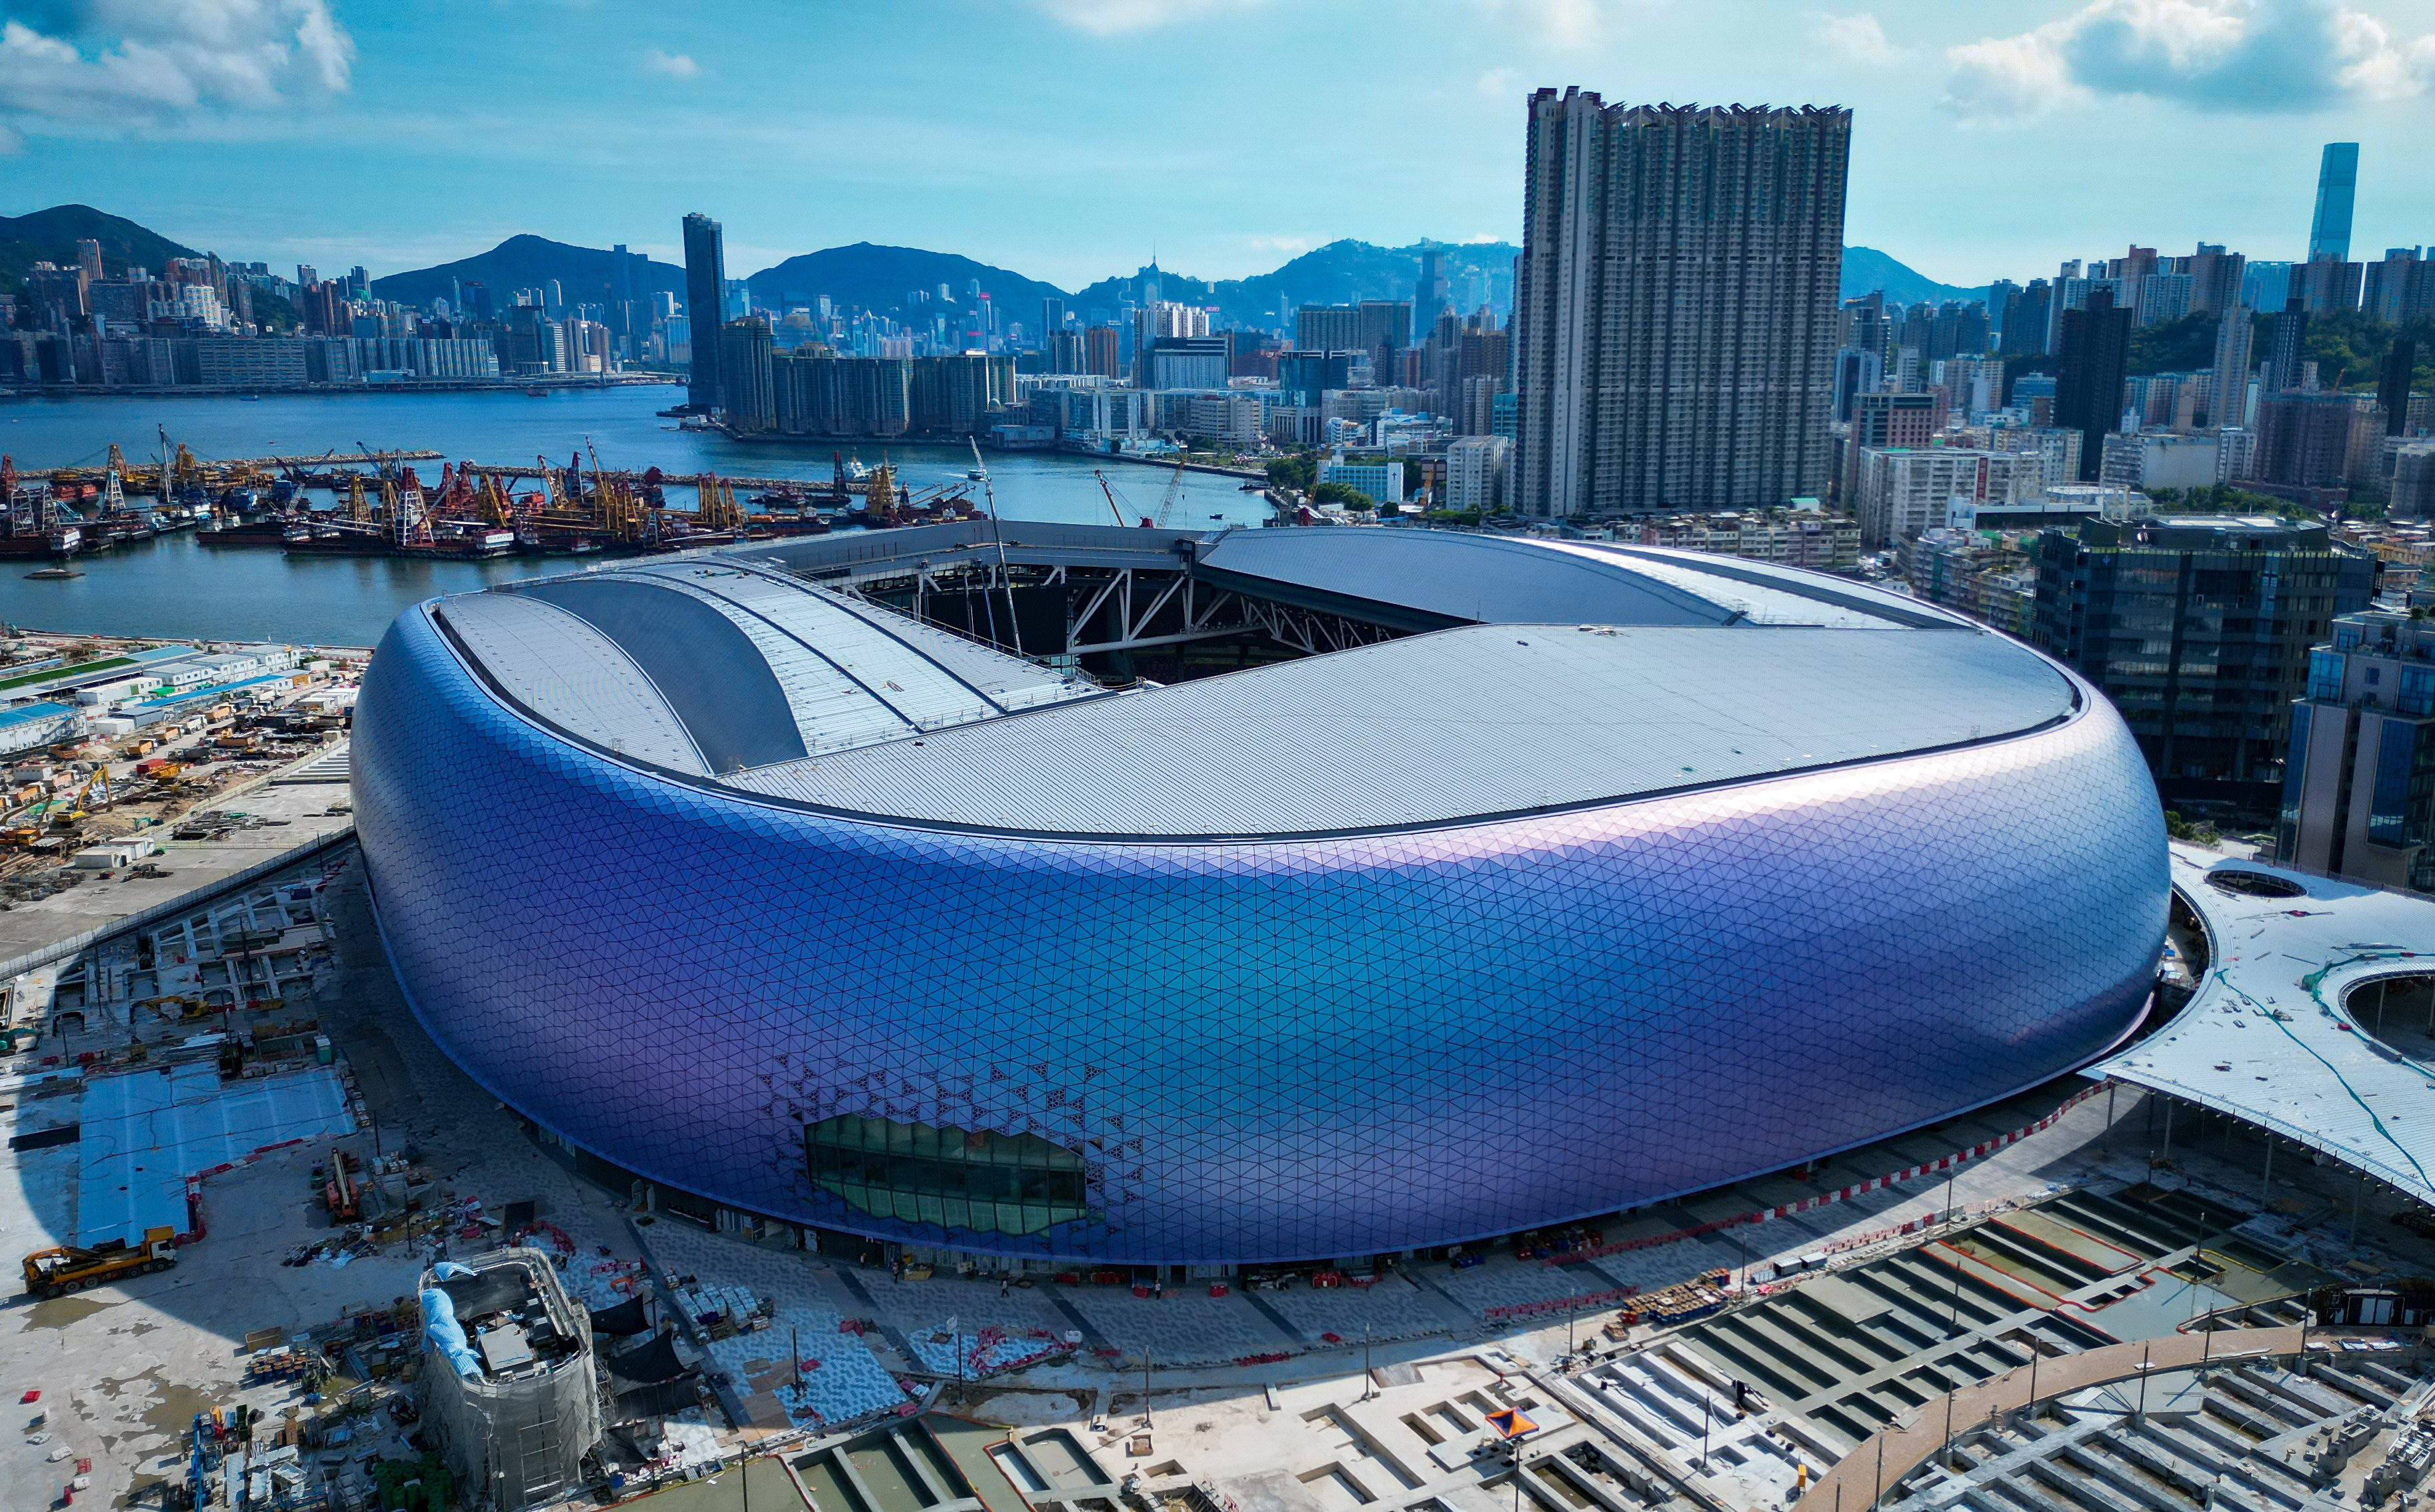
{"x":2417,"y":695}
{"x":951,"y":1177}
{"x":2325,"y":675}
{"x":2387,"y":815}
{"x":2295,"y":772}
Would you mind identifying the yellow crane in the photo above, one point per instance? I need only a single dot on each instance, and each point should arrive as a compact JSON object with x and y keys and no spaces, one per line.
{"x":1166,"y":500}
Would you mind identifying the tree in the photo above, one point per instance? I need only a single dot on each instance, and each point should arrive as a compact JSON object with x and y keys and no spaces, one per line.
{"x":1343,"y":493}
{"x":1295,"y":472}
{"x":2187,"y":345}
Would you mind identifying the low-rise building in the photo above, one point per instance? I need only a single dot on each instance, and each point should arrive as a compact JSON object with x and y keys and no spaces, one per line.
{"x":32,"y":726}
{"x":1794,"y":537}
{"x":2161,"y":459}
{"x":1380,"y":477}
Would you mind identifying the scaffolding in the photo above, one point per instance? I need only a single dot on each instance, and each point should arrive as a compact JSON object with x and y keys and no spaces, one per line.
{"x":506,"y":1379}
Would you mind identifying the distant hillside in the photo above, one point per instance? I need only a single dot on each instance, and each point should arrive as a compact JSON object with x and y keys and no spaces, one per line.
{"x":873,"y":277}
{"x":1866,"y":270}
{"x":50,"y":236}
{"x":584,"y":273}
{"x":881,"y":278}
{"x":1341,"y":273}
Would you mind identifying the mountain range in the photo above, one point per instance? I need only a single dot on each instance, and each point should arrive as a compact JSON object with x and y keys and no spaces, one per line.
{"x":50,"y":236}
{"x":885,"y":279}
{"x":585,"y":274}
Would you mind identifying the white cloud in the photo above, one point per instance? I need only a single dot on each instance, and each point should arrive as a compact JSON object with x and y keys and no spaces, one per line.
{"x":1858,"y":38}
{"x":1500,"y":83}
{"x":114,"y":65}
{"x":1109,"y":18}
{"x":1291,"y":246}
{"x":675,"y":65}
{"x":1564,"y":23}
{"x":2252,"y":56}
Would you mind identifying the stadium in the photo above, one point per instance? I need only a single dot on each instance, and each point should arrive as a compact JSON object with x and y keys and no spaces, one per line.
{"x":1489,"y":883}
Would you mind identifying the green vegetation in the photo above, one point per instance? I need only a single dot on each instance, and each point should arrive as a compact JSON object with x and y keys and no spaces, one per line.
{"x":1296,"y":471}
{"x":2349,"y":349}
{"x":2187,"y":345}
{"x":2181,"y":829}
{"x":1343,"y":493}
{"x":273,"y":313}
{"x":50,"y":236}
{"x":1450,"y":517}
{"x":45,"y":673}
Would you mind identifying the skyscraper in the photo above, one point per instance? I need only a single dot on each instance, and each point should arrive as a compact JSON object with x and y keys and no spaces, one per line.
{"x":1675,"y":311}
{"x":705,"y":249}
{"x":89,"y":258}
{"x":2393,"y":387}
{"x":2234,"y":335}
{"x":2287,"y":342}
{"x":2094,"y":358}
{"x":2329,"y":234}
{"x":1429,"y":294}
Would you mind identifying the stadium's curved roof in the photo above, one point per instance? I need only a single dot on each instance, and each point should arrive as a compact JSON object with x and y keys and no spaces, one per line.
{"x":1569,"y":674}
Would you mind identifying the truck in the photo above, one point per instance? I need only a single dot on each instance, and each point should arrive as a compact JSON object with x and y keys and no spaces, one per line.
{"x":71,"y":1269}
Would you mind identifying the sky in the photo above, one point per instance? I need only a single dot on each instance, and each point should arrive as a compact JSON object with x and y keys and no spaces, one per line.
{"x":1073,"y":139}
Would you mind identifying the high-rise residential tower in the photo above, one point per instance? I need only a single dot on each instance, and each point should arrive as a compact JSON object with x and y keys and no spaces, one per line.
{"x":705,"y":249}
{"x":1431,"y":295}
{"x":2287,"y":343}
{"x":2234,"y":335}
{"x":1675,"y":305}
{"x":2330,"y":232}
{"x":2094,"y":357}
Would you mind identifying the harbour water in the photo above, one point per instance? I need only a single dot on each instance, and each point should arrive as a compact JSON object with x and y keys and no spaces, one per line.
{"x":173,"y":585}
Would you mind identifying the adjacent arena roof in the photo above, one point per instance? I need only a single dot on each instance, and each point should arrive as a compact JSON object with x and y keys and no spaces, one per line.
{"x":1569,"y":675}
{"x":2270,"y":1036}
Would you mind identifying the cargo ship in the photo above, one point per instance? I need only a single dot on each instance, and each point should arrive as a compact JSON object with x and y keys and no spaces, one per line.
{"x":327,"y":540}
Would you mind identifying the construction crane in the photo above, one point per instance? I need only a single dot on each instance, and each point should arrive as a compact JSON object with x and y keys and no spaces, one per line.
{"x":1166,"y":500}
{"x":1110,"y":489}
{"x":716,"y":510}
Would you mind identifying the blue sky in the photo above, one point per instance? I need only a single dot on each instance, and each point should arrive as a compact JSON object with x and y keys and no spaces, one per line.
{"x":1068,"y":138}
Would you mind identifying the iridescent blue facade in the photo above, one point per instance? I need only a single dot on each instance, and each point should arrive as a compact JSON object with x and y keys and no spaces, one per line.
{"x":1266,"y":1051}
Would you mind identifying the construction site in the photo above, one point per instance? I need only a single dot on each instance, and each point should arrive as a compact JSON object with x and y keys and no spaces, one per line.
{"x":279,"y":1250}
{"x":302,"y":1262}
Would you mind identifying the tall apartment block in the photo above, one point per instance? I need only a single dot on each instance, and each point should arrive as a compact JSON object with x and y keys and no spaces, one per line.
{"x":1675,"y":305}
{"x":706,"y":250}
{"x":2096,"y":355}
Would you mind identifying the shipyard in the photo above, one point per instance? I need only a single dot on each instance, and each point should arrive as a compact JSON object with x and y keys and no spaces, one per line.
{"x":378,"y":505}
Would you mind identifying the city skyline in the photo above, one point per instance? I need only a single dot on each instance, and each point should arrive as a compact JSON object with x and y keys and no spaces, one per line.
{"x":328,"y":132}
